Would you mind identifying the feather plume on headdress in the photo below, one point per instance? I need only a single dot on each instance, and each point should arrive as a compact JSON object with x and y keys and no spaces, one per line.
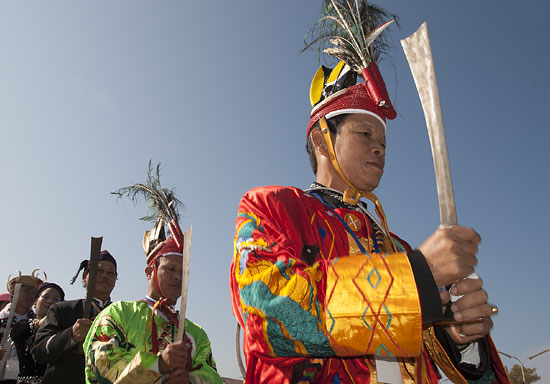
{"x":350,"y":31}
{"x":164,"y":207}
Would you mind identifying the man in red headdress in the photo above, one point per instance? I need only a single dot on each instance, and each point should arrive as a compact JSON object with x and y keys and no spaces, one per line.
{"x":324,"y":291}
{"x":135,"y":341}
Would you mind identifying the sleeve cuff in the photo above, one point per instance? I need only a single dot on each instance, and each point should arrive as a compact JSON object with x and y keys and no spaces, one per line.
{"x":430,"y":303}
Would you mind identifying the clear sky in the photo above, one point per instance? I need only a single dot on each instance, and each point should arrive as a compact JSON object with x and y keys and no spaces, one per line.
{"x":217,"y":91}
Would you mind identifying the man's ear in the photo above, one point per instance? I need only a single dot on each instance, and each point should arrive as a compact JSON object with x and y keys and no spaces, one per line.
{"x":319,"y":142}
{"x":149,"y":272}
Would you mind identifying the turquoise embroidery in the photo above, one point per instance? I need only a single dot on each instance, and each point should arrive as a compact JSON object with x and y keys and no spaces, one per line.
{"x":300,"y":325}
{"x":383,"y":347}
{"x":247,"y":229}
{"x":389,"y":316}
{"x":364,"y":319}
{"x":399,"y":246}
{"x":332,"y":319}
{"x":283,"y":267}
{"x":378,"y":278}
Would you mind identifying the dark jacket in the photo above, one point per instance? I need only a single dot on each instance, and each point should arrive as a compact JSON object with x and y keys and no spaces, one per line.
{"x":54,"y":346}
{"x":22,"y":335}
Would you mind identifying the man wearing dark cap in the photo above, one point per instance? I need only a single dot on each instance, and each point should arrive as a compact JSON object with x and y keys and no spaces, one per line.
{"x":59,"y":339}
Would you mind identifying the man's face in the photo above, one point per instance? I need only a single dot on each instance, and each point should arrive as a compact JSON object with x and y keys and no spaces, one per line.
{"x":26,"y":299}
{"x":360,"y":150}
{"x":169,"y":277}
{"x":105,"y":279}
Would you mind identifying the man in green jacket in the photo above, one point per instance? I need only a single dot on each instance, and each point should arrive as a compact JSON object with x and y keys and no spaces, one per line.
{"x":127,"y":344}
{"x":135,"y":341}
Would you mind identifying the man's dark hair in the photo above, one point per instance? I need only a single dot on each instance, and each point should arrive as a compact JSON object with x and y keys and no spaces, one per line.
{"x":333,"y":126}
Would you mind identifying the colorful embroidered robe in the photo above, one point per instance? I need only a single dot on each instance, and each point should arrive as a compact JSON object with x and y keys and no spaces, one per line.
{"x":118,"y":346}
{"x":317,"y":298}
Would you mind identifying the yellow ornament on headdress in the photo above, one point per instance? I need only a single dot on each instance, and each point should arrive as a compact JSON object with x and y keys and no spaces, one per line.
{"x":320,"y":81}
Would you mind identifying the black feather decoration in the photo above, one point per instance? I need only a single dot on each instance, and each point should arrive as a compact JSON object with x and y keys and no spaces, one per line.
{"x":163,"y":203}
{"x":351,"y":30}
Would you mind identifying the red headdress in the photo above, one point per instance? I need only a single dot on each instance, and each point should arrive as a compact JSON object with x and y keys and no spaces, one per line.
{"x":350,"y":32}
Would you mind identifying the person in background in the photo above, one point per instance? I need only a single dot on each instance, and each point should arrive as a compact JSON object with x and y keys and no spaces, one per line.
{"x":24,"y":331}
{"x":23,"y":311}
{"x":4,"y":300}
{"x":58,"y":341}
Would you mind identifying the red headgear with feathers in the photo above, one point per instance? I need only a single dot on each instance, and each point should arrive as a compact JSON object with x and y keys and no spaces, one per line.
{"x":349,"y":31}
{"x":172,"y":245}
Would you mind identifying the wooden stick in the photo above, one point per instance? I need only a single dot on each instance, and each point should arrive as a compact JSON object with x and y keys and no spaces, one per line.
{"x":92,"y":274}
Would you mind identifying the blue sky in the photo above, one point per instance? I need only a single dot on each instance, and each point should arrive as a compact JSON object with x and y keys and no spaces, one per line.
{"x":218,"y":93}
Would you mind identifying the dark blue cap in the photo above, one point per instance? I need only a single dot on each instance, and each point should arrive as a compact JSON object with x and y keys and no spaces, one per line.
{"x":103,"y":256}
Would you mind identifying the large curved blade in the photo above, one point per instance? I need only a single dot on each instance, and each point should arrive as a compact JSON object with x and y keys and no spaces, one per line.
{"x":184,"y":279}
{"x":419,"y":55}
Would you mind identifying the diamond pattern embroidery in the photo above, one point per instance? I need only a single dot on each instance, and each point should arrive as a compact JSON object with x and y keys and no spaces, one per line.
{"x":389,"y":317}
{"x":378,"y":278}
{"x":383,"y":347}
{"x":374,"y":278}
{"x":364,"y":319}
